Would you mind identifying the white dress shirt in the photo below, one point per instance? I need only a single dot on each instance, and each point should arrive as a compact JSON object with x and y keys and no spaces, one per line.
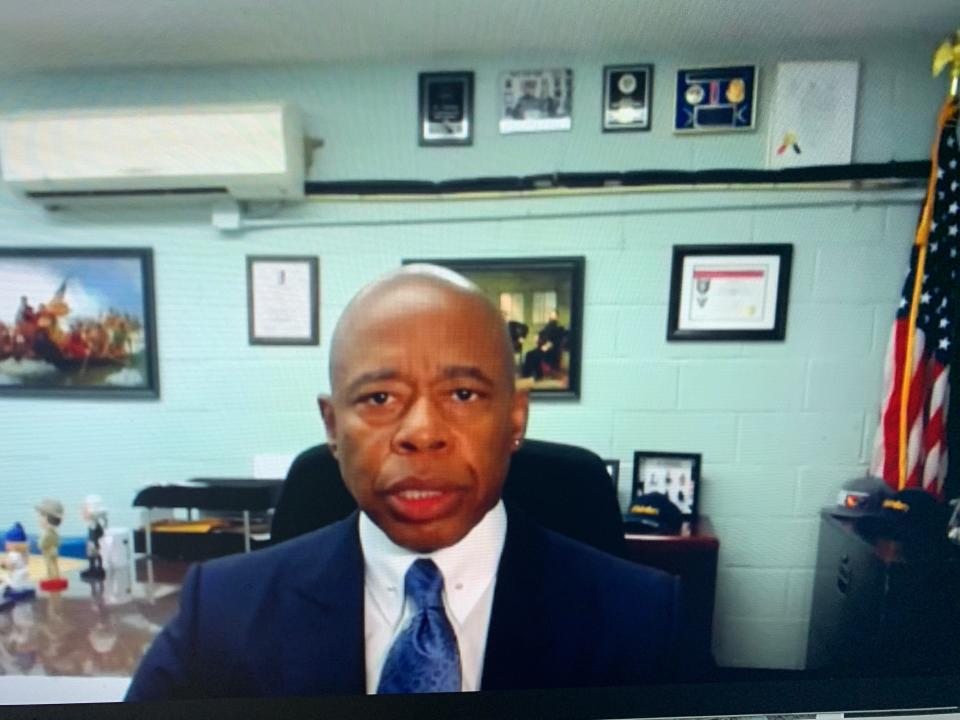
{"x":469,"y":571}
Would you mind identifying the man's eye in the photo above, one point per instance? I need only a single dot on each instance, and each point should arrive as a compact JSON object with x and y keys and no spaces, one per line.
{"x":464,"y":394}
{"x":377,"y":398}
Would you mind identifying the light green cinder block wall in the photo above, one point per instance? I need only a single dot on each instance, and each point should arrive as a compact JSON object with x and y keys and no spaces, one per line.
{"x":780,"y":425}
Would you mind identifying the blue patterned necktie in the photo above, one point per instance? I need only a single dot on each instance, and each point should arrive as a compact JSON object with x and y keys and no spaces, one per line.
{"x":424,"y":657}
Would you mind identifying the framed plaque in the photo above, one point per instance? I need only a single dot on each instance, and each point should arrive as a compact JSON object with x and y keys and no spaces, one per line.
{"x":536,"y":100}
{"x":716,"y":99}
{"x":283,"y":300}
{"x":676,"y":475}
{"x":541,"y":302}
{"x":627,"y":93}
{"x":446,"y":108}
{"x":729,"y":292}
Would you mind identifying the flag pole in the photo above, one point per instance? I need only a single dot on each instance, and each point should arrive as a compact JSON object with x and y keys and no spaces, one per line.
{"x":948,"y":53}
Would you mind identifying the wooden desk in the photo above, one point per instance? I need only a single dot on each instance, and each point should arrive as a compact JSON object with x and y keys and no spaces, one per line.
{"x":692,"y":556}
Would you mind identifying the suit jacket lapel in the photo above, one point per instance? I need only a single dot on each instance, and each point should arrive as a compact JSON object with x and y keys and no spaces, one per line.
{"x":326,"y":651}
{"x":517,"y":634}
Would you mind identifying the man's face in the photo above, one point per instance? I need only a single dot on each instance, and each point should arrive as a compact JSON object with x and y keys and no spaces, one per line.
{"x":423,"y":415}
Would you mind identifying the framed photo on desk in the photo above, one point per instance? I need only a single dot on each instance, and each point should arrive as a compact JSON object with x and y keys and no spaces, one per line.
{"x":676,"y":475}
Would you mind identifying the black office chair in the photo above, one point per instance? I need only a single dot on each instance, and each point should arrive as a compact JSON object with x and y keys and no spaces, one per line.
{"x":562,"y":487}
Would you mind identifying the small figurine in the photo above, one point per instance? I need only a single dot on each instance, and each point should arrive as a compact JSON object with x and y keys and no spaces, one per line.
{"x":50,"y":515}
{"x":95,"y":516}
{"x":17,"y":587}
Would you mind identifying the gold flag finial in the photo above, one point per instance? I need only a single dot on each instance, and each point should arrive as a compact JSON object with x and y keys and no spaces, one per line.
{"x":948,"y":53}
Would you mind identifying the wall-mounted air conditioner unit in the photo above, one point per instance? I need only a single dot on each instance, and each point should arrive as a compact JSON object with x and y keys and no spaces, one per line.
{"x":249,"y":152}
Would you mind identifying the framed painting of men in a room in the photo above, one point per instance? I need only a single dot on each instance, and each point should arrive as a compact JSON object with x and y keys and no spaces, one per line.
{"x":77,"y":323}
{"x":541,"y":302}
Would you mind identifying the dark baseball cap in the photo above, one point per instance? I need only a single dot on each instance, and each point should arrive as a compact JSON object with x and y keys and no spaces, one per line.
{"x":653,"y":512}
{"x":911,"y":514}
{"x":862,"y":497}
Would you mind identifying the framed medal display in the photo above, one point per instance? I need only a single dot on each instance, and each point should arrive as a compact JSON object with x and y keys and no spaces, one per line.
{"x":627,"y":92}
{"x":715,"y":99}
{"x":446,"y":108}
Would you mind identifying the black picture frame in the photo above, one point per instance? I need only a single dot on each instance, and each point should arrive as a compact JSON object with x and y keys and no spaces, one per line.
{"x":555,"y":377}
{"x":442,"y":94}
{"x":751,"y":265}
{"x":102,"y":345}
{"x":312,"y":266}
{"x":688,"y":464}
{"x":612,"y":95}
{"x":718,"y":98}
{"x":613,"y":470}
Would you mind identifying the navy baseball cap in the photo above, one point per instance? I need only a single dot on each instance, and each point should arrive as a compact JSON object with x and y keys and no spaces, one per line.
{"x":909,"y":514}
{"x":653,"y":512}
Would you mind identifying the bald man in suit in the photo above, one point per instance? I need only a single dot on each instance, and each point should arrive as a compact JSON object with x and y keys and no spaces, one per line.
{"x":433,"y":585}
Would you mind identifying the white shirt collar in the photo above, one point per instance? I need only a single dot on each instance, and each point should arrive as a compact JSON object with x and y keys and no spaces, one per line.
{"x":468,"y":567}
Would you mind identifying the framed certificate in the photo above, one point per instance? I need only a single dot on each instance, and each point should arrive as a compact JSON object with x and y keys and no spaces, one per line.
{"x":446,"y":108}
{"x":283,"y":300}
{"x":729,"y":292}
{"x":676,"y":475}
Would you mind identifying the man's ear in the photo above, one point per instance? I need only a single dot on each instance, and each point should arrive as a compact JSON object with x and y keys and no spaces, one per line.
{"x":325,"y":403}
{"x":518,"y":417}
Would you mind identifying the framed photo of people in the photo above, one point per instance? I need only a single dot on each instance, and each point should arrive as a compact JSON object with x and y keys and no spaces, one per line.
{"x":446,"y":108}
{"x":283,"y":306}
{"x":627,"y":94}
{"x":676,"y":475}
{"x":78,"y":323}
{"x":541,"y":302}
{"x":536,"y":100}
{"x":729,"y":292}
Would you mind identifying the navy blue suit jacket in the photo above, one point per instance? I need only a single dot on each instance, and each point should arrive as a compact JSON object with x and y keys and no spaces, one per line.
{"x":288,"y":620}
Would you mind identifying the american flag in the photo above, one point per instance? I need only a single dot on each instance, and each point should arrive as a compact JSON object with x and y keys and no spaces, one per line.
{"x":910,"y":449}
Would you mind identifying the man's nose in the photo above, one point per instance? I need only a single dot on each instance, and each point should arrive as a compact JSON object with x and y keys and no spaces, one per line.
{"x":422,"y":429}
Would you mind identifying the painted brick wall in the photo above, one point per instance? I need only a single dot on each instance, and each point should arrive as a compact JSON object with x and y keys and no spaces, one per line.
{"x":780,"y":425}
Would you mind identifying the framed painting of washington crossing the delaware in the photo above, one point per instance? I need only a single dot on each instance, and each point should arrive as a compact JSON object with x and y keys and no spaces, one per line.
{"x":77,"y":323}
